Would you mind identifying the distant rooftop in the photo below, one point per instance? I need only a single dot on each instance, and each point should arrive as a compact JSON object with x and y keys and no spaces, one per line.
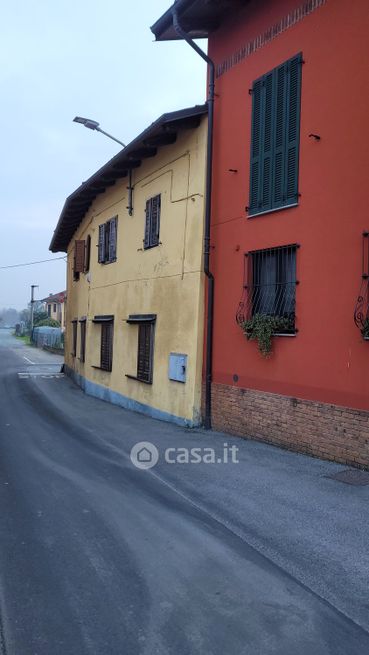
{"x":55,"y":297}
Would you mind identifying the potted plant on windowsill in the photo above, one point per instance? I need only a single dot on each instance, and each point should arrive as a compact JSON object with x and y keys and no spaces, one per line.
{"x":365,"y":330}
{"x":262,"y":328}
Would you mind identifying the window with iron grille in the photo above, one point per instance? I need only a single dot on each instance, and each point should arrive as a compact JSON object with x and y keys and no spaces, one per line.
{"x":270,"y":286}
{"x":361,"y":313}
{"x":74,"y":338}
{"x":107,"y":246}
{"x":82,"y":346}
{"x":275,"y":137}
{"x":152,"y":222}
{"x":106,"y":350}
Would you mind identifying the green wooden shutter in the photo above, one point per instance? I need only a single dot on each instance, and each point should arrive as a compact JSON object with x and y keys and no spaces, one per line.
{"x":267,"y":140}
{"x":292,"y":129}
{"x":275,"y":134}
{"x":257,"y":100}
{"x":280,"y":81}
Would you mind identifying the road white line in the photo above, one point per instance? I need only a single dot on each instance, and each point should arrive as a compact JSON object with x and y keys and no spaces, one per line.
{"x":28,"y":360}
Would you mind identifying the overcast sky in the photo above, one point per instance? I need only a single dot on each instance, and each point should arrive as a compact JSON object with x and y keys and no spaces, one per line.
{"x":58,"y":60}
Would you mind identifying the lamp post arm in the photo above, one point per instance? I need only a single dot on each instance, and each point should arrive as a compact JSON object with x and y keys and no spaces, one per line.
{"x":110,"y":136}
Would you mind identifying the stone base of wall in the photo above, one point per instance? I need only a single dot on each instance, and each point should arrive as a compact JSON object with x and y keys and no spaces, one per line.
{"x":318,"y":429}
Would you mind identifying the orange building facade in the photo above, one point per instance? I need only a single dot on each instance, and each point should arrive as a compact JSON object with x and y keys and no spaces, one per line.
{"x":289,"y":209}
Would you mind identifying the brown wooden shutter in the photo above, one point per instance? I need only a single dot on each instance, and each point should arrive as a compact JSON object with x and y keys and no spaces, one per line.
{"x":101,"y":244}
{"x":79,"y":256}
{"x":106,"y":360}
{"x":145,"y":352}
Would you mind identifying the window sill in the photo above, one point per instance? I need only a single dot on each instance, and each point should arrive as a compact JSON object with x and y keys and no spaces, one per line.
{"x":156,"y":245}
{"x":134,"y":377}
{"x":272,"y":211}
{"x":285,"y":334}
{"x":99,"y":368}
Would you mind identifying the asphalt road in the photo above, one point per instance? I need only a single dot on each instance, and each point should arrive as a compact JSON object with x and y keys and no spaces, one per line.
{"x":267,"y":556}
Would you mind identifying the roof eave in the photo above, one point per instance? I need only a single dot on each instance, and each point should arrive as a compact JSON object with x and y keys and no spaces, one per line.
{"x":198,"y":18}
{"x":163,"y":29}
{"x":78,"y":202}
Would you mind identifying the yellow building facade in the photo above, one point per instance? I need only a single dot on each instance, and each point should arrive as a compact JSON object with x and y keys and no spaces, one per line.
{"x":135,"y":284}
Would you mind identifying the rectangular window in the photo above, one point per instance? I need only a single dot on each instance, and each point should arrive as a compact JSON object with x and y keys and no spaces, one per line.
{"x":106,"y":350}
{"x":275,"y":138}
{"x":152,"y":222}
{"x":49,"y":310}
{"x":54,"y":308}
{"x":270,"y":286}
{"x":107,"y":246}
{"x":82,"y":346}
{"x":74,"y":338}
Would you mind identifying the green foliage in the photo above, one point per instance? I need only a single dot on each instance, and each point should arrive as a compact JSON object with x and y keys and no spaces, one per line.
{"x":262,"y":327}
{"x":49,"y":322}
{"x":40,"y":316}
{"x":365,"y":329}
{"x":25,"y":338}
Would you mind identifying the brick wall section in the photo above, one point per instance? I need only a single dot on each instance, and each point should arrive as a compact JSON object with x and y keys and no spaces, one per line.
{"x":318,"y":429}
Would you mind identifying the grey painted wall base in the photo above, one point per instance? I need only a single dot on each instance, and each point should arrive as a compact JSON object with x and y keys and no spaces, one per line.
{"x":109,"y":396}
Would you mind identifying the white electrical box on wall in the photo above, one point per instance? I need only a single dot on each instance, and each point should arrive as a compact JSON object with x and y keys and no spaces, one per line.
{"x":177,"y":367}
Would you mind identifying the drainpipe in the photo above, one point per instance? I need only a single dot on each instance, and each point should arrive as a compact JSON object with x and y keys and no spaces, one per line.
{"x":209,"y":180}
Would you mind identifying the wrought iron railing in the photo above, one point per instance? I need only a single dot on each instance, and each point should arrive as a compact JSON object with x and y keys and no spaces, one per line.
{"x":361,"y":312}
{"x":270,"y":286}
